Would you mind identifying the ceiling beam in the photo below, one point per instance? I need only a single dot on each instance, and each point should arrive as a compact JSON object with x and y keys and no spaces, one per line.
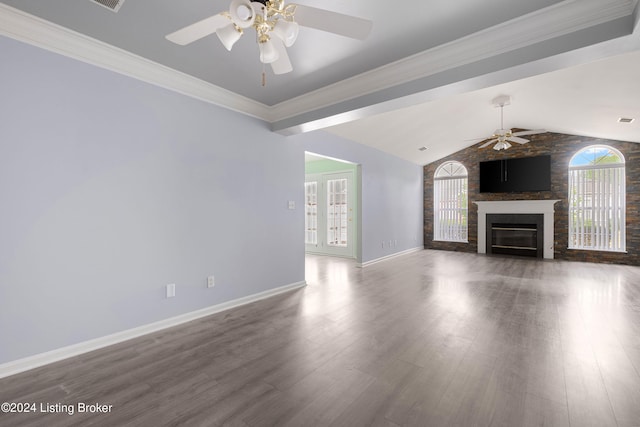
{"x":569,"y":49}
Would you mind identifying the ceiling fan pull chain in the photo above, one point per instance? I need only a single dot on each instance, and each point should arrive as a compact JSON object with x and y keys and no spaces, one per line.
{"x":264,"y":74}
{"x":264,"y":77}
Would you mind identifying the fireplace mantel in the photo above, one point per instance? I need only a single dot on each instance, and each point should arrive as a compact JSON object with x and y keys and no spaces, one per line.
{"x":545,"y":207}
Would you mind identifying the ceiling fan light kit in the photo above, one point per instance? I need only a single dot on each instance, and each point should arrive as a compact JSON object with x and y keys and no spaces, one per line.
{"x":501,"y":145}
{"x":271,"y":18}
{"x":268,"y":52}
{"x":287,"y":31}
{"x":229,"y":35}
{"x":502,"y":137}
{"x":242,"y":13}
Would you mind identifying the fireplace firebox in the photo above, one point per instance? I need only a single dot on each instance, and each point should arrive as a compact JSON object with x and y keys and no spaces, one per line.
{"x":515,"y":234}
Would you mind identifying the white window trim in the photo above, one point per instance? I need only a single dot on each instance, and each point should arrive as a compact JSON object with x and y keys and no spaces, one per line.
{"x":599,"y":209}
{"x":440,"y":235}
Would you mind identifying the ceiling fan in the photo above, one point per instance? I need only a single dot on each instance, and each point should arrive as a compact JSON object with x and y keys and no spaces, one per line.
{"x":503,"y":136}
{"x":271,"y":18}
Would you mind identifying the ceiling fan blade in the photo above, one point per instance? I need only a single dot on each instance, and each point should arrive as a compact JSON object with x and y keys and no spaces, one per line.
{"x":282,"y":65}
{"x":517,"y":139}
{"x":529,"y":132}
{"x":488,"y":143}
{"x":333,"y":22}
{"x":200,"y":29}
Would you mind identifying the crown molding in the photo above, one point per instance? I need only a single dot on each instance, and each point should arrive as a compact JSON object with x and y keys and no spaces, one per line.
{"x":30,"y":29}
{"x":561,"y":19}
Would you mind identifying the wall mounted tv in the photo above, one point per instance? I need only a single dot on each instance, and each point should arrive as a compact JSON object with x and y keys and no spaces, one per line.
{"x":516,"y":175}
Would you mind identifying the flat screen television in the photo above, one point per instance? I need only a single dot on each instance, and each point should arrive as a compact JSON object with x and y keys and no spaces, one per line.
{"x":516,"y":175}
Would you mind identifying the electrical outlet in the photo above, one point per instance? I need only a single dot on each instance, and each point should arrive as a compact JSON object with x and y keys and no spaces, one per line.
{"x":171,"y":290}
{"x":211,"y":282}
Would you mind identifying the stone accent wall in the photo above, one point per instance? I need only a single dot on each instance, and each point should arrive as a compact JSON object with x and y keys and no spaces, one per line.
{"x":561,"y":147}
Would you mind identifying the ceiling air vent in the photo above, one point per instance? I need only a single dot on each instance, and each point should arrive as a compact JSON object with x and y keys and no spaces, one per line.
{"x":113,"y":5}
{"x":625,"y":120}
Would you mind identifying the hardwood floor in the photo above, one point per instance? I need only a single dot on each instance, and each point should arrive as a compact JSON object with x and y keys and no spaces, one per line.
{"x":428,"y":339}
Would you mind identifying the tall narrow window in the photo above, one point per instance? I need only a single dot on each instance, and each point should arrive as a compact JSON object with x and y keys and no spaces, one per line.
{"x":597,"y":199}
{"x":311,"y":213}
{"x":337,"y":212}
{"x":450,"y":202}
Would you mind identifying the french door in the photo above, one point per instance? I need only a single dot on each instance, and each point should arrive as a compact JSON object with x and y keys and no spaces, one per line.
{"x":329,"y":201}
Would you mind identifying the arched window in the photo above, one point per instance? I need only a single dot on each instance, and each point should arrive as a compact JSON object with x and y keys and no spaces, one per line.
{"x":450,"y":202}
{"x":597,"y":199}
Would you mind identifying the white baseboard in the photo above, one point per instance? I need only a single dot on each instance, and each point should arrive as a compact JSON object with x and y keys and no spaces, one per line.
{"x":38,"y":360}
{"x":388,"y":257}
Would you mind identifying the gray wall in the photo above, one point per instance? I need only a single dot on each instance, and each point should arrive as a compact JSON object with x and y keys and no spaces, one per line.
{"x":391,"y":209}
{"x":111,"y":188}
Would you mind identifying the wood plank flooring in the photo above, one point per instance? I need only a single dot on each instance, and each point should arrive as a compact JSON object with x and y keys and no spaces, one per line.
{"x":428,"y":339}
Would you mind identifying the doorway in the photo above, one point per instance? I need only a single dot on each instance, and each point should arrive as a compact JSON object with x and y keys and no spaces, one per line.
{"x":331,"y":206}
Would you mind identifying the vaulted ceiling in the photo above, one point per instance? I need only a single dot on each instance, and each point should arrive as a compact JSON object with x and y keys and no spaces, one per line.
{"x":424,"y":77}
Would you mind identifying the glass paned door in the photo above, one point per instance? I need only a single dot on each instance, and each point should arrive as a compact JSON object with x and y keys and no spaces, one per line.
{"x":329,"y":213}
{"x":311,"y":213}
{"x":337,"y":212}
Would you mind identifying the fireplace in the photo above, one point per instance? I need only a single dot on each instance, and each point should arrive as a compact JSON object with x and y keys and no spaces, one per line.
{"x":512,"y":207}
{"x":515,"y":234}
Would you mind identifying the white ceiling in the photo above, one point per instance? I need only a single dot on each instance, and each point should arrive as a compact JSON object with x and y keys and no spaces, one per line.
{"x":425,"y":76}
{"x":580,"y":100}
